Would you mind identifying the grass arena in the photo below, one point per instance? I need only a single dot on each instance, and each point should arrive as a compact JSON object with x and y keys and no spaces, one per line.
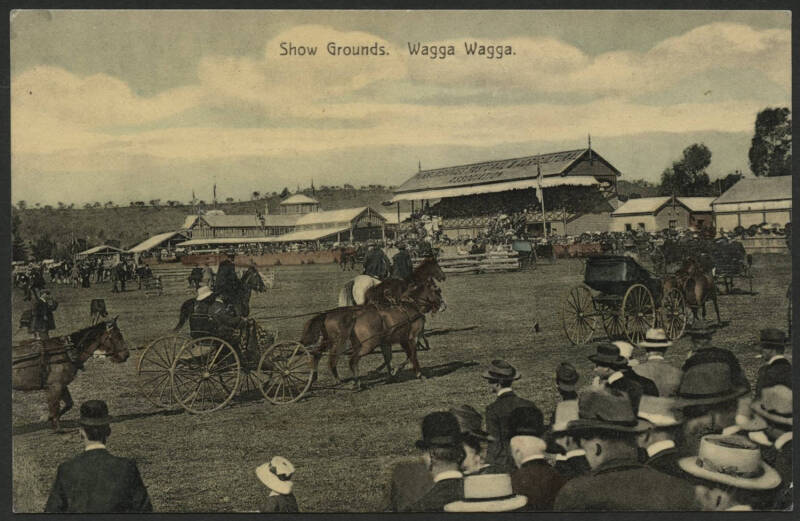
{"x":341,"y":442}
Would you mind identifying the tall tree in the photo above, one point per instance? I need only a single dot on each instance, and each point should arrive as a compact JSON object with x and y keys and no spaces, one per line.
{"x":687,"y":176}
{"x":18,"y":252}
{"x":771,"y":146}
{"x":43,"y":248}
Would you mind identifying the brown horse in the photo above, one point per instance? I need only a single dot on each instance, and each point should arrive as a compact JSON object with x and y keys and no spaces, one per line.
{"x":52,"y":364}
{"x":695,"y":280}
{"x":390,"y":290}
{"x":370,"y":326}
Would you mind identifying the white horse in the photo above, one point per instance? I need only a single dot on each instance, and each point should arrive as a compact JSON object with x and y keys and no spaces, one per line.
{"x":353,"y":293}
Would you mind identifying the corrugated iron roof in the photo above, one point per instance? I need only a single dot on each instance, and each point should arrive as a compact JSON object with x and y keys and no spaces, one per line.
{"x":697,"y":204}
{"x":232,"y":221}
{"x":641,"y":205}
{"x":98,"y":249}
{"x":439,"y":193}
{"x":752,"y":189}
{"x":303,"y":235}
{"x":299,"y":199}
{"x":502,"y":170}
{"x":153,"y":241}
{"x":391,"y":217}
{"x":189,"y":221}
{"x":275,"y":219}
{"x":332,"y":216}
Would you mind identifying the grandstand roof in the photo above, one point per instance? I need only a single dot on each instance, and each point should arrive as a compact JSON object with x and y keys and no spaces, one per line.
{"x":302,"y":235}
{"x":232,"y":221}
{"x":752,"y":189}
{"x":333,"y":216}
{"x":299,"y":199}
{"x":502,"y":171}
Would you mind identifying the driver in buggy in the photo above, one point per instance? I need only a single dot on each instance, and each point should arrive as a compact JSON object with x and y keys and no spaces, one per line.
{"x":212,"y":317}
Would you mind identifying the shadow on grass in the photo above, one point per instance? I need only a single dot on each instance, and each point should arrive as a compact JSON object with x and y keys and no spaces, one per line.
{"x":72,"y":424}
{"x":374,"y":378}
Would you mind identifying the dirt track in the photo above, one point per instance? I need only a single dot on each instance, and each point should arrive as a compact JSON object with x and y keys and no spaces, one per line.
{"x":341,"y":442}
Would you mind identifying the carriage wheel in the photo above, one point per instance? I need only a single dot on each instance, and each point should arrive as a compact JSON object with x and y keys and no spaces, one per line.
{"x":153,"y":370}
{"x":638,"y":312}
{"x":252,"y":377}
{"x":578,"y":317}
{"x":205,"y":374}
{"x":612,"y":321}
{"x":286,"y":370}
{"x":673,"y":314}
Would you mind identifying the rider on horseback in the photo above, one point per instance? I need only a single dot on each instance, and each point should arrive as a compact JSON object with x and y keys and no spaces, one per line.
{"x":402,"y":267}
{"x":227,"y":283}
{"x":376,"y":264}
{"x":211,"y":317}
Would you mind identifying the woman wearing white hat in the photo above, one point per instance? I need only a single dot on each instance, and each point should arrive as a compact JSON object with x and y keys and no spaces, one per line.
{"x":488,"y":493}
{"x":276,"y":475}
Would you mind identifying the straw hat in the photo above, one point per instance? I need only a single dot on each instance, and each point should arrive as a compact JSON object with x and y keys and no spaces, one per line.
{"x":655,"y":338}
{"x":277,"y":474}
{"x":775,"y":404}
{"x":566,"y":411}
{"x":488,"y":493}
{"x":731,"y":460}
{"x":660,"y":411}
{"x":203,"y":292}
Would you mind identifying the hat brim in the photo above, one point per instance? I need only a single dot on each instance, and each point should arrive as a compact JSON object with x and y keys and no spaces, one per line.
{"x":584,"y":425}
{"x":662,"y":345}
{"x":272,"y":481}
{"x":498,"y":505}
{"x":494,"y":376}
{"x":682,"y":402}
{"x":775,"y":418}
{"x":480,"y":434}
{"x":661,"y":420}
{"x":566,"y":387}
{"x":92,"y":422}
{"x":205,"y":296}
{"x":618,"y":362}
{"x":769,"y":480}
{"x":756,"y":423}
{"x":425,"y":445}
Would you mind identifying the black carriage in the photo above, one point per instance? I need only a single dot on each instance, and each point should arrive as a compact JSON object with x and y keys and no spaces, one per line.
{"x":628,"y":300}
{"x":731,"y":261}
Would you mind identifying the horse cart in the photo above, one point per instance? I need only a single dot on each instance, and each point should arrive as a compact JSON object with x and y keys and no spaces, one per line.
{"x":730,"y":262}
{"x":627,"y":301}
{"x":204,"y":373}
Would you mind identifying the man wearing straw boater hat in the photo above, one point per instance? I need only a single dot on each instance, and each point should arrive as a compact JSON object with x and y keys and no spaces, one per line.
{"x":96,"y":481}
{"x":475,"y":441}
{"x":487,"y":493}
{"x":534,"y":477}
{"x":777,"y":368}
{"x":606,"y":429}
{"x":665,"y":375}
{"x":708,"y":396}
{"x":729,"y":474}
{"x":500,"y":376}
{"x":659,"y":441}
{"x":276,"y":475}
{"x":443,"y":454}
{"x":572,"y":463}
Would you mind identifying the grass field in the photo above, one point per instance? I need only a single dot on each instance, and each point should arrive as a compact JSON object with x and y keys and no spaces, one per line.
{"x":340,"y":441}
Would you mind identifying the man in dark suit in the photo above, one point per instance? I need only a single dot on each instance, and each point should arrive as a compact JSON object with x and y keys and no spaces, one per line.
{"x":402,"y":267}
{"x":226,"y":283}
{"x":572,"y":463}
{"x":607,"y":429}
{"x":444,"y":453}
{"x":376,"y":264}
{"x":659,"y":441}
{"x":613,"y":370}
{"x":777,"y":370}
{"x":95,"y":481}
{"x":534,"y":477}
{"x":500,"y":376}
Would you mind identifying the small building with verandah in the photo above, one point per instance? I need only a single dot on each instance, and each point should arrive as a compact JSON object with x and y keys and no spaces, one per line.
{"x":103,"y":251}
{"x":754,"y":201}
{"x":575,"y":184}
{"x":298,"y":204}
{"x":654,"y":214}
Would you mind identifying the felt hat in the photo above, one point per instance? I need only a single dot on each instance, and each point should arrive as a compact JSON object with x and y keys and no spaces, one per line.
{"x":94,"y":412}
{"x":203,"y":292}
{"x":526,"y":421}
{"x":707,"y":383}
{"x":772,"y":338}
{"x":660,"y":411}
{"x":655,"y":338}
{"x":440,"y":429}
{"x":488,"y":493}
{"x":775,"y":404}
{"x":731,"y":460}
{"x":501,"y":370}
{"x":605,"y":409}
{"x":608,"y":355}
{"x":625,"y":349}
{"x":566,"y":376}
{"x":277,"y":474}
{"x":470,"y":422}
{"x":700,"y":329}
{"x":566,"y":411}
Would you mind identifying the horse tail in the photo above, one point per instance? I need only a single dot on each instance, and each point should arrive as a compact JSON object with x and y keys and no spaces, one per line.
{"x":186,"y":310}
{"x":346,"y":295}
{"x":313,"y":329}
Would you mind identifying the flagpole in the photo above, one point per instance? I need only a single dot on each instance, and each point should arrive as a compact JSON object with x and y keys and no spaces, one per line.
{"x":541,"y":197}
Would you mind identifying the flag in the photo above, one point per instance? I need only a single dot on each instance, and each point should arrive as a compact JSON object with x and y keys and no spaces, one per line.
{"x":539,"y":181}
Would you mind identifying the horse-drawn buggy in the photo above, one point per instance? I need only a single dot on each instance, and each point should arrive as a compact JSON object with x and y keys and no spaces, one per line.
{"x":628,"y":300}
{"x":730,"y":261}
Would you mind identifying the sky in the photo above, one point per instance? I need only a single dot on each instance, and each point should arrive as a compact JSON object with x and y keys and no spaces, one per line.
{"x":141,"y":105}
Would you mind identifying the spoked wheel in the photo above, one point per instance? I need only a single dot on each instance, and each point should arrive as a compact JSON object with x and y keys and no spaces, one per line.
{"x":578,"y":316}
{"x":286,"y":372}
{"x":205,"y":374}
{"x":612,"y":320}
{"x":674,"y":314}
{"x":153,"y":370}
{"x":252,"y":377}
{"x":638,"y":312}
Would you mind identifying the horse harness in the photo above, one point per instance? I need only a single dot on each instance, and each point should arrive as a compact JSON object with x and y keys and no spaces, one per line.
{"x":70,"y":349}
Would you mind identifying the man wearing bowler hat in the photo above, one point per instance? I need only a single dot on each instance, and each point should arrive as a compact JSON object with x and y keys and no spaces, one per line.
{"x":612,"y":370}
{"x":443,"y":455}
{"x":777,"y":368}
{"x":665,"y":375}
{"x":567,"y":381}
{"x":500,"y":376}
{"x":475,"y":441}
{"x":607,"y":429}
{"x":95,"y":481}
